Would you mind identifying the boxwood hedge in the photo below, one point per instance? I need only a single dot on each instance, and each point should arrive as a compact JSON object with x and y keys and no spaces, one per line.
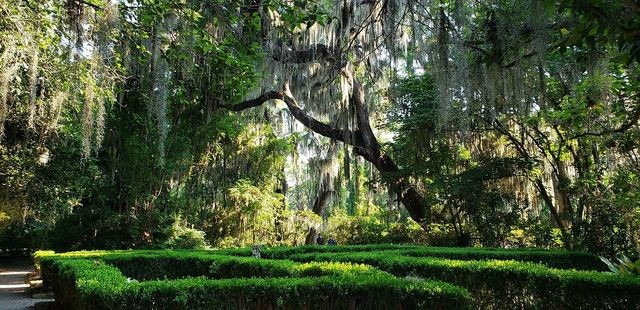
{"x":499,"y":284}
{"x":553,"y":258}
{"x":94,"y":280}
{"x":181,"y":279}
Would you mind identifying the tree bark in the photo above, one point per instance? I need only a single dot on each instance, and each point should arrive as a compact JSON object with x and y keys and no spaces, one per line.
{"x":363,"y":141}
{"x":318,"y":209}
{"x":554,"y":213}
{"x":280,"y":219}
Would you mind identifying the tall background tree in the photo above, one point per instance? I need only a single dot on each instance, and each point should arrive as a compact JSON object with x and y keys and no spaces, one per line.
{"x":501,"y":123}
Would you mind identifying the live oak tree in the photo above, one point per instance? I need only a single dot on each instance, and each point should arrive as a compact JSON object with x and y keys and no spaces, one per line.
{"x":363,"y":141}
{"x":139,"y":114}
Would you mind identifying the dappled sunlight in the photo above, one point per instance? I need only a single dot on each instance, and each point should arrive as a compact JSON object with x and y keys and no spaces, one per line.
{"x":329,"y":154}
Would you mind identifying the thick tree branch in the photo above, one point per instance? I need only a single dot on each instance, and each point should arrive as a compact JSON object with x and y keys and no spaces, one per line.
{"x":363,"y":141}
{"x":316,"y":125}
{"x":271,"y":95}
{"x":93,"y":5}
{"x":362,"y":117}
{"x":299,"y":114}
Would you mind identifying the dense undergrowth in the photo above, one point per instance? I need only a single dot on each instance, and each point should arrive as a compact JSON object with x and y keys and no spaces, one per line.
{"x":324,"y":277}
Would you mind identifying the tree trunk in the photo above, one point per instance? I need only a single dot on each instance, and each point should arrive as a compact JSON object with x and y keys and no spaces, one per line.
{"x":554,"y":213}
{"x":280,"y":231}
{"x":318,"y":209}
{"x":363,"y":141}
{"x":371,"y":151}
{"x":407,"y":194}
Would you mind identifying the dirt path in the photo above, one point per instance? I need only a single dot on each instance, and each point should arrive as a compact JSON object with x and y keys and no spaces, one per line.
{"x":14,"y":292}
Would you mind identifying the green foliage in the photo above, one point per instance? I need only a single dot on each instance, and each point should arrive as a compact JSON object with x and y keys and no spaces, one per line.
{"x":157,"y":265}
{"x":521,"y":130}
{"x":182,"y":279}
{"x":459,"y":182}
{"x":181,"y":237}
{"x":623,"y":265}
{"x":337,"y":292}
{"x":362,"y":229}
{"x":301,"y":13}
{"x":77,"y":284}
{"x":553,"y":258}
{"x":493,"y":214}
{"x":420,"y":146}
{"x":598,"y":22}
{"x":125,"y":194}
{"x":506,"y":284}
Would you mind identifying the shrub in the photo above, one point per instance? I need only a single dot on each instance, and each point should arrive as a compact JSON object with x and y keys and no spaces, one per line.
{"x":623,"y":265}
{"x":507,"y":284}
{"x":154,"y":265}
{"x":86,"y":280}
{"x":181,"y":237}
{"x":370,"y":292}
{"x":77,"y":282}
{"x":493,"y":283}
{"x":558,"y":258}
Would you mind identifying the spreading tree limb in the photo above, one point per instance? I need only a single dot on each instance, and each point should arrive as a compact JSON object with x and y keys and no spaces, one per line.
{"x":363,"y":141}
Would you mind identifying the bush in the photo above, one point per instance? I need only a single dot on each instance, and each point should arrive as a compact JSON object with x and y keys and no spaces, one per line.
{"x":154,"y":265}
{"x":382,"y":292}
{"x":181,"y":279}
{"x":507,"y":284}
{"x":557,"y":258}
{"x":86,"y":280}
{"x":363,"y":230}
{"x":181,"y":237}
{"x":77,"y":283}
{"x":444,"y":235}
{"x":560,"y":259}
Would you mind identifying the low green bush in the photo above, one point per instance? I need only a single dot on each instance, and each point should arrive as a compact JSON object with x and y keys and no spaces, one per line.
{"x":182,"y":237}
{"x":553,"y":258}
{"x":284,"y":252}
{"x":76,"y":282}
{"x":369,"y":292}
{"x":560,"y":259}
{"x":506,"y":284}
{"x":494,"y":284}
{"x":90,"y":280}
{"x":159,"y":265}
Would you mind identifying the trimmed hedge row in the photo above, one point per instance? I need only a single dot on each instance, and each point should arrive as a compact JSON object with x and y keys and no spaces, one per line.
{"x":182,"y":265}
{"x":553,"y":258}
{"x":87,"y":280}
{"x":280,"y":252}
{"x":162,"y":265}
{"x":368,"y":292}
{"x":507,"y":284}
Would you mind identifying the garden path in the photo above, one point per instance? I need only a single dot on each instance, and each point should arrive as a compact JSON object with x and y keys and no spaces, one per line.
{"x":14,"y":291}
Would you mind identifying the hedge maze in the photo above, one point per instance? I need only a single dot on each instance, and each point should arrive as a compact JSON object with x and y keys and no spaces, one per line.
{"x":336,"y":277}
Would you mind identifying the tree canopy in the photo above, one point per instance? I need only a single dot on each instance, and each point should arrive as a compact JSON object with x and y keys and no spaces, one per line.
{"x":148,"y":123}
